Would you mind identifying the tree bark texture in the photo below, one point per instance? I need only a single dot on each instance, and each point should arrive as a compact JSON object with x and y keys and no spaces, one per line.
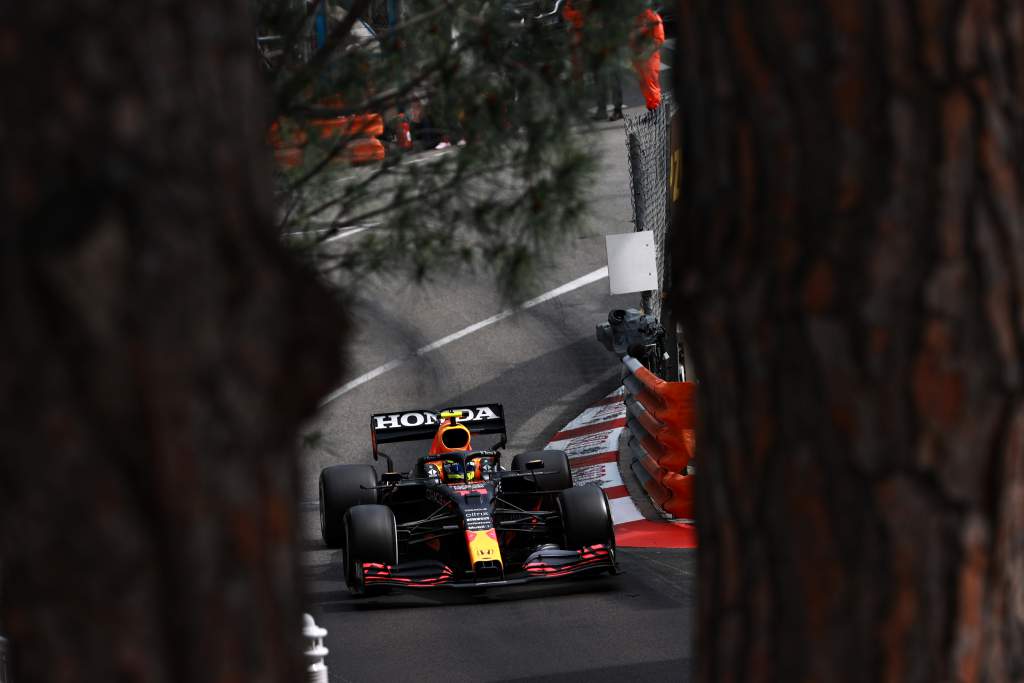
{"x":850,"y":268}
{"x":159,"y":350}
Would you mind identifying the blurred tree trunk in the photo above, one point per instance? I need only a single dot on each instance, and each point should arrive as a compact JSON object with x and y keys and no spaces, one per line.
{"x":851,"y":272}
{"x":159,"y":350}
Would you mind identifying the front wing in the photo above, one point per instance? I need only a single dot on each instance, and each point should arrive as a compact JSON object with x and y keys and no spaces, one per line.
{"x":543,"y":564}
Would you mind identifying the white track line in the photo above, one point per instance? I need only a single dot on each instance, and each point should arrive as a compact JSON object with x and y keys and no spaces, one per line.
{"x":425,"y":159}
{"x":343,"y":235}
{"x":348,"y":232}
{"x":303,"y":233}
{"x":594,"y":276}
{"x":342,"y":230}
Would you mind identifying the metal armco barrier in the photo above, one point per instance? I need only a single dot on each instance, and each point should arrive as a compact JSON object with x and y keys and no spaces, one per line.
{"x":662,"y":418}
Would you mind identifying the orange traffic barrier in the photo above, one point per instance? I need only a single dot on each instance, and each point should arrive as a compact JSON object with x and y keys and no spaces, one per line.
{"x":671,"y":438}
{"x":361,"y":130}
{"x":368,"y":124}
{"x":670,"y":491}
{"x":365,"y":151}
{"x":673,"y":403}
{"x":327,"y":129}
{"x":662,"y":418}
{"x":680,"y":504}
{"x":288,"y":157}
{"x":288,"y":137}
{"x":651,"y":478}
{"x":668,"y":458}
{"x":356,"y":135}
{"x":287,"y":142}
{"x":359,"y":125}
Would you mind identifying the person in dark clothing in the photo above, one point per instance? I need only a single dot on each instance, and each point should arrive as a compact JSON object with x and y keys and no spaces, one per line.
{"x":610,"y":81}
{"x":607,"y":72}
{"x":425,"y":133}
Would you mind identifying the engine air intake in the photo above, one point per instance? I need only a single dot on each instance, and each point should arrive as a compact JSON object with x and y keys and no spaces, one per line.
{"x":455,"y":438}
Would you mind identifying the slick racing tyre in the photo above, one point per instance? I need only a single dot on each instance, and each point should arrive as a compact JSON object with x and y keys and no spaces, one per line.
{"x":557,"y":475}
{"x":586,"y":517}
{"x":370,"y":536}
{"x":341,"y":487}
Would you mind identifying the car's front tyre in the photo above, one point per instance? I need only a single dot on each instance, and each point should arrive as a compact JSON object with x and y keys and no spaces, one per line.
{"x":586,"y":517}
{"x":371,"y":536}
{"x":341,"y":487}
{"x":556,"y":473}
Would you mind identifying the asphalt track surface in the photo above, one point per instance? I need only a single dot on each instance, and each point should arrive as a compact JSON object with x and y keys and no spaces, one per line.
{"x":630,"y":627}
{"x":545,"y":366}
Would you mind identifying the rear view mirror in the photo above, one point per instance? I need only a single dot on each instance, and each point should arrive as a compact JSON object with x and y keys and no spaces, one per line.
{"x":535,"y":465}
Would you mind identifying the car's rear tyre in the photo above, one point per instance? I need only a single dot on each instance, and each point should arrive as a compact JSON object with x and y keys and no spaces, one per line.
{"x":370,"y":536}
{"x":557,"y":475}
{"x":586,"y":517}
{"x":341,"y":487}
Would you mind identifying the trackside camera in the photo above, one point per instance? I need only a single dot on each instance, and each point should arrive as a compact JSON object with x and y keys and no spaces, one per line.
{"x":629,"y":331}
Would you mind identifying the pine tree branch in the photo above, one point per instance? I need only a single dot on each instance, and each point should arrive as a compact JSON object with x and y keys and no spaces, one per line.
{"x":335,"y":40}
{"x":292,"y":37}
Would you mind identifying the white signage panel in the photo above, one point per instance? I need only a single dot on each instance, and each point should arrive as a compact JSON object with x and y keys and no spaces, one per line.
{"x":632,"y":266}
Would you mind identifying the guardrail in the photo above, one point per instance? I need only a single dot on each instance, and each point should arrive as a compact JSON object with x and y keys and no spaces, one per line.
{"x":661,"y":422}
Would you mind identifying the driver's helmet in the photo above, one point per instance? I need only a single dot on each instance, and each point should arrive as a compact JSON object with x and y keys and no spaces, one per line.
{"x":456,"y":473}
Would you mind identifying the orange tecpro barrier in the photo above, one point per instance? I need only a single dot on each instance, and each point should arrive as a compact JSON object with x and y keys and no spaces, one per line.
{"x":662,"y":418}
{"x":362,"y":132}
{"x":287,"y":145}
{"x":359,"y":133}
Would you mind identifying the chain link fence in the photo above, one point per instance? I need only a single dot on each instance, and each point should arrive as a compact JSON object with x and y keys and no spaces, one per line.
{"x":647,"y":147}
{"x":650,"y":147}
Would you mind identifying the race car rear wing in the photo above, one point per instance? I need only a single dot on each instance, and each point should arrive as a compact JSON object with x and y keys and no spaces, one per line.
{"x":421,"y":425}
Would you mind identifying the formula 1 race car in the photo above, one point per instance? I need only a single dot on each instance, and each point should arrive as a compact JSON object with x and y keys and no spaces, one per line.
{"x":459,"y":518}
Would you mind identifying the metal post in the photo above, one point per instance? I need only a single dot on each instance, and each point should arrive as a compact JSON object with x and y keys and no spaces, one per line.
{"x":673,"y":171}
{"x":316,"y":672}
{"x":670,"y":354}
{"x":636,"y":171}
